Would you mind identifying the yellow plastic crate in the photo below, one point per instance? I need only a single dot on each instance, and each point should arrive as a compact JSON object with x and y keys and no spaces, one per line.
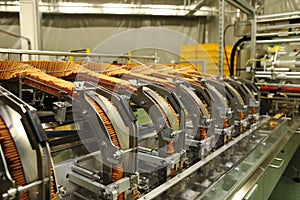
{"x":208,"y":52}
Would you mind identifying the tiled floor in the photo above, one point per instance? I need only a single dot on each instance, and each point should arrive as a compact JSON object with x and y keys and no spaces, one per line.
{"x":287,"y":188}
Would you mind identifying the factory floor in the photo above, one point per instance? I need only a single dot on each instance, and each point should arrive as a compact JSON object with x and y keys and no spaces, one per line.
{"x":287,"y":188}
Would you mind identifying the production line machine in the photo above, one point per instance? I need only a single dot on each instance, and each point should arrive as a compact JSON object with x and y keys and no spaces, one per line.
{"x":116,"y":157}
{"x":101,"y":144}
{"x":110,"y":173}
{"x":239,"y":110}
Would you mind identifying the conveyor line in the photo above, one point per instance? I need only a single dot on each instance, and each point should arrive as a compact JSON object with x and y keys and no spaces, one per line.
{"x":13,"y":159}
{"x":35,"y":78}
{"x":63,"y":69}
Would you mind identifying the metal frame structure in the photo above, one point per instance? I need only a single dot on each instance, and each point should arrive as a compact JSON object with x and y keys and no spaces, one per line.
{"x":66,"y":54}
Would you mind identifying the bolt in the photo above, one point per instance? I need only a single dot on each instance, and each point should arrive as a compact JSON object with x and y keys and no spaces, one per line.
{"x":84,"y":112}
{"x":117,"y":155}
{"x":207,"y":121}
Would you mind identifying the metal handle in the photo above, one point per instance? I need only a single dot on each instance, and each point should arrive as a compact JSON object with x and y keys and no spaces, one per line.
{"x":265,"y":139}
{"x":251,"y":193}
{"x":277,"y":166}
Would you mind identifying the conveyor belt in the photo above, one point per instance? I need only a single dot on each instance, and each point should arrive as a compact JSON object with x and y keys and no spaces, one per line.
{"x":105,"y":68}
{"x":61,"y":69}
{"x":56,"y":68}
{"x":106,"y":81}
{"x":164,"y":74}
{"x":13,"y":159}
{"x":73,"y":69}
{"x":171,"y":120}
{"x":44,"y":82}
{"x":119,"y":71}
{"x":117,"y":169}
{"x":161,"y":72}
{"x":160,"y":78}
{"x":123,"y":73}
{"x":35,"y":78}
{"x":14,"y":163}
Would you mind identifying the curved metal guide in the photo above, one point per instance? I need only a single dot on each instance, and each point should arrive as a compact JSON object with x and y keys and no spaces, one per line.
{"x":32,"y":148}
{"x":170,"y":115}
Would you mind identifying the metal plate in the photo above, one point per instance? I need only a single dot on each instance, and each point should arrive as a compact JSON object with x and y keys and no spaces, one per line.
{"x":27,"y":155}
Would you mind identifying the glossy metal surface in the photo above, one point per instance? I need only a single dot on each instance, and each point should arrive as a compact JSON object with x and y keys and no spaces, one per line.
{"x":193,"y":169}
{"x":27,"y":155}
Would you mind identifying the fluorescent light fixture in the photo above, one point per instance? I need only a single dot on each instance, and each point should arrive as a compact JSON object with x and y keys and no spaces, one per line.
{"x":110,"y":8}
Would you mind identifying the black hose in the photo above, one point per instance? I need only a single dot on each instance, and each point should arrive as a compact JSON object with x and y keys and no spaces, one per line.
{"x":224,"y":45}
{"x":236,"y":45}
{"x":233,"y":52}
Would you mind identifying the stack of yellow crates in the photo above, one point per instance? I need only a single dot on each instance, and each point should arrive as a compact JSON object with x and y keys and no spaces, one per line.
{"x":193,"y":55}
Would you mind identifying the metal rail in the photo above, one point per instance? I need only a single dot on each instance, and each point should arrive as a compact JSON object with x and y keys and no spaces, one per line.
{"x":260,"y":171}
{"x":275,"y":27}
{"x":170,"y":183}
{"x":59,"y":53}
{"x":274,"y":16}
{"x":277,"y":41}
{"x":277,"y":19}
{"x":279,"y":34}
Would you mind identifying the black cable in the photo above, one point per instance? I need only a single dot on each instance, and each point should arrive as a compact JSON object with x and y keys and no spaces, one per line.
{"x":224,"y":45}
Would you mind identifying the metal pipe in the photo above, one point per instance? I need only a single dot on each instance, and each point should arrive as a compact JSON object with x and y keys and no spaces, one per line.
{"x":148,"y":150}
{"x":244,"y":6}
{"x":196,"y":8}
{"x":279,"y":89}
{"x":278,"y":15}
{"x":277,"y":41}
{"x":276,"y":73}
{"x":85,"y":172}
{"x":277,"y":77}
{"x":279,"y":85}
{"x":59,"y":53}
{"x":18,"y":36}
{"x":287,"y":63}
{"x":277,"y":19}
{"x":280,"y":34}
{"x":278,"y":69}
{"x":266,"y":28}
{"x":20,"y":189}
{"x":253,"y":40}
